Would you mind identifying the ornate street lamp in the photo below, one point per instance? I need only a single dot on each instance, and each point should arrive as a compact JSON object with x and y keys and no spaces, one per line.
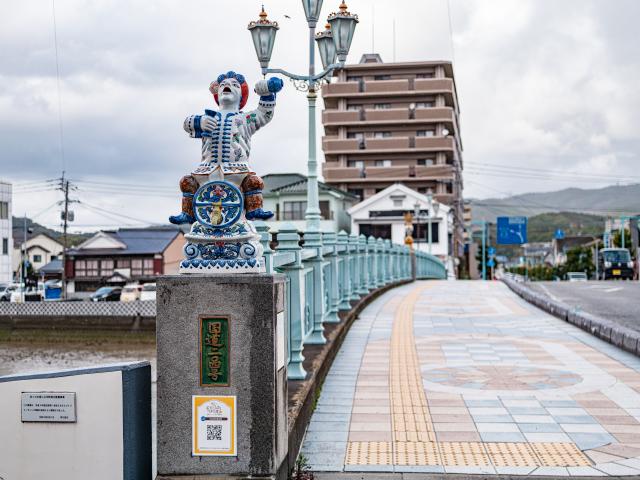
{"x":332,"y":42}
{"x":326,"y":46}
{"x":343,"y":25}
{"x":263,"y":33}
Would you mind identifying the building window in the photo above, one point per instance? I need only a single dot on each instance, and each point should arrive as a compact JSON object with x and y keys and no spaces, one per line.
{"x":358,"y":192}
{"x":148,"y":266}
{"x":355,"y":164}
{"x":352,"y":108}
{"x":425,"y":75}
{"x":382,"y":163}
{"x":136,"y":267}
{"x":5,"y":246}
{"x":4,"y":210}
{"x":37,"y":259}
{"x":424,"y":104}
{"x":379,"y":231}
{"x":382,"y":106}
{"x":325,"y":210}
{"x":426,"y":162}
{"x":123,"y":263}
{"x":294,"y":210}
{"x":353,"y":78}
{"x":92,"y":268}
{"x":381,"y":134}
{"x":358,"y":135}
{"x":420,"y":232}
{"x":425,"y":133}
{"x":106,"y":268}
{"x":81,"y":268}
{"x":382,"y":77}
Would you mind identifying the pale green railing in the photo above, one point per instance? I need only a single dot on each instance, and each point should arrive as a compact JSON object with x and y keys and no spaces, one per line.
{"x":330,"y":272}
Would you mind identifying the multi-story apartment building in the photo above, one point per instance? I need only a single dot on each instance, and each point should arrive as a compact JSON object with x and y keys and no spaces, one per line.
{"x":395,"y":122}
{"x":6,"y":241}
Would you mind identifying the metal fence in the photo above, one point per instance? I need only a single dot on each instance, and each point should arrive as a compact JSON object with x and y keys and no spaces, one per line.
{"x":146,"y":308}
{"x":329,"y":272}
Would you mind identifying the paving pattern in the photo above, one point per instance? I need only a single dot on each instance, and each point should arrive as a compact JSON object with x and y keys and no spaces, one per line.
{"x":465,"y":377}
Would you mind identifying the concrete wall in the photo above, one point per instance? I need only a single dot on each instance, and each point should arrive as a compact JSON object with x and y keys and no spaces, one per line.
{"x":98,"y":445}
{"x":6,"y":272}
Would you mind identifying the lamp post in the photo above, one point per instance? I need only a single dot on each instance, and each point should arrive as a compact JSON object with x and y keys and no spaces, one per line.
{"x":432,"y":213}
{"x":333,"y":42}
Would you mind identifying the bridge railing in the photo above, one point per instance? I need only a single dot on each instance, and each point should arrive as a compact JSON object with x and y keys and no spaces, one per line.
{"x":330,"y":271}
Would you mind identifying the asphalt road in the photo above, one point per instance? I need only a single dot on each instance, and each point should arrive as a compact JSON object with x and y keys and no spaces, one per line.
{"x":618,"y":301}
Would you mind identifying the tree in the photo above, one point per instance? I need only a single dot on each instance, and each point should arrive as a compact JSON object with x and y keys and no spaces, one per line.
{"x":616,"y":240}
{"x":579,"y":259}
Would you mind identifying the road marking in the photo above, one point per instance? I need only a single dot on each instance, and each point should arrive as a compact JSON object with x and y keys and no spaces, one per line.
{"x":549,"y":293}
{"x":609,"y":290}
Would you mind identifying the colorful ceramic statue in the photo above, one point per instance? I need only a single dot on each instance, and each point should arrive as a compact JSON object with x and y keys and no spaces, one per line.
{"x":223,"y":193}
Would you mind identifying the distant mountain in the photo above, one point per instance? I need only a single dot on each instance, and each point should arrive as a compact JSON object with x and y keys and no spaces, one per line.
{"x":608,"y":201}
{"x":19,"y":230}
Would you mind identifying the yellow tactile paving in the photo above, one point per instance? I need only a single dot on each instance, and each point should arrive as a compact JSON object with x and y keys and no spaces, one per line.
{"x":369,"y":453}
{"x":511,"y":454}
{"x":416,"y":453}
{"x":560,"y":455}
{"x":463,"y":454}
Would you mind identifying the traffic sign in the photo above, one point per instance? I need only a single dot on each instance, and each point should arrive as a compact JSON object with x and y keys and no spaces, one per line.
{"x":491,"y":263}
{"x":512,"y":230}
{"x":491,"y":251}
{"x":559,"y":234}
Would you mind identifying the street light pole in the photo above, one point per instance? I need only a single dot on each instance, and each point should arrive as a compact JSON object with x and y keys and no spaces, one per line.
{"x":333,"y":43}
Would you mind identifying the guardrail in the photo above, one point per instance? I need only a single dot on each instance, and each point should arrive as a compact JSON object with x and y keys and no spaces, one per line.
{"x":329,"y":272}
{"x":146,"y":308}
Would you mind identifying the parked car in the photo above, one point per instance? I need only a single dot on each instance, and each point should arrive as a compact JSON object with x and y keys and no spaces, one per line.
{"x":6,"y":291}
{"x":148,"y":291}
{"x":615,"y":263}
{"x":107,"y":294}
{"x":576,"y":277}
{"x":131,"y":292}
{"x":30,"y":294}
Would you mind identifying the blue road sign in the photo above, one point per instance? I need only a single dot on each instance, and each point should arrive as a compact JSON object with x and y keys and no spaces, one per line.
{"x":512,"y":230}
{"x":491,"y":251}
{"x":559,"y":234}
{"x":491,"y":263}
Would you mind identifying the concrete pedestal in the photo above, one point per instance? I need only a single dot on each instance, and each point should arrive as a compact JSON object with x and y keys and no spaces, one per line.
{"x":254,"y":306}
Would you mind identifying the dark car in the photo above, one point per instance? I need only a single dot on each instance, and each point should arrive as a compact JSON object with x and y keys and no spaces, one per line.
{"x":106,"y":294}
{"x":615,"y":263}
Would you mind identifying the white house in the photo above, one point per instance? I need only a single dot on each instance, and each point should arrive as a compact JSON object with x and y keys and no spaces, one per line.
{"x":40,"y":250}
{"x":382,"y":215}
{"x":285,"y":194}
{"x":6,"y":242}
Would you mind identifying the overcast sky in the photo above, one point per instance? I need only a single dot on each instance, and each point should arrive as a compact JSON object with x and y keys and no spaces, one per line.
{"x":548,"y":92}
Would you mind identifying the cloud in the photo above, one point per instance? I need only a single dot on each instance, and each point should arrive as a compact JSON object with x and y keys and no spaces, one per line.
{"x":542,"y":84}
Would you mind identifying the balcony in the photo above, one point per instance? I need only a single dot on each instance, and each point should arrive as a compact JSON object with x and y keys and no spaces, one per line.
{"x":386,"y":86}
{"x":391,"y":114}
{"x":395,"y":143}
{"x":433,"y":85}
{"x":437,"y":114}
{"x":340,"y":116}
{"x":375,"y":174}
{"x":332,"y":145}
{"x":340,"y":88}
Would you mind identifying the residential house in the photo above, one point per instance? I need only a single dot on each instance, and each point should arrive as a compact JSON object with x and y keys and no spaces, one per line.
{"x":382,"y":215}
{"x":122,"y":256}
{"x":286,"y":195}
{"x":39,"y":249}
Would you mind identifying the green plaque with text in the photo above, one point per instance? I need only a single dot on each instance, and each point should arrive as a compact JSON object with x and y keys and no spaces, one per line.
{"x":214,"y":351}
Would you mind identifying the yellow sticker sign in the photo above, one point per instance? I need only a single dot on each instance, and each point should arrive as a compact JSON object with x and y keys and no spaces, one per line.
{"x":214,"y":425}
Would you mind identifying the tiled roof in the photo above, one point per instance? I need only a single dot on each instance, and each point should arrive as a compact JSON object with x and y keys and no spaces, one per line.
{"x":277,"y":180}
{"x":300,"y":186}
{"x":139,"y":241}
{"x":54,"y":266}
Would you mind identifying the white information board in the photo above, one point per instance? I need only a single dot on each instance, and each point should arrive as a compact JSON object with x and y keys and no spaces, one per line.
{"x":214,"y":425}
{"x":56,"y":407}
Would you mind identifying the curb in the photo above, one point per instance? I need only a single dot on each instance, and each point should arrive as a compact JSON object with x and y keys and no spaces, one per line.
{"x":618,"y":335}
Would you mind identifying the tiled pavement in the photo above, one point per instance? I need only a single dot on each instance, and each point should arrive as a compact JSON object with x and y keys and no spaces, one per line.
{"x":465,"y":377}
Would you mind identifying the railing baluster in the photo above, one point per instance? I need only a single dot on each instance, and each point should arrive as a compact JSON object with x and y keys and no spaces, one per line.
{"x":363,"y":288}
{"x":345,"y":278}
{"x":356,"y":274}
{"x":331,"y":286}
{"x":288,"y":241}
{"x":314,"y":240}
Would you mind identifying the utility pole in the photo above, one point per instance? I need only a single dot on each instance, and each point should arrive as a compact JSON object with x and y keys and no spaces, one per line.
{"x":64,"y":186}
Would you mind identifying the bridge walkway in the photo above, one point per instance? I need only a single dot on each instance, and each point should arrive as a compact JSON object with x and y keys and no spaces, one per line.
{"x":465,"y":377}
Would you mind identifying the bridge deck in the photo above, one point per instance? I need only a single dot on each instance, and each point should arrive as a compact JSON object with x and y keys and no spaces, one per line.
{"x":465,"y":377}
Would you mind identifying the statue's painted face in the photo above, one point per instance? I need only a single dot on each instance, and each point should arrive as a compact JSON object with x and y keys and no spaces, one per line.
{"x":229,"y":92}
